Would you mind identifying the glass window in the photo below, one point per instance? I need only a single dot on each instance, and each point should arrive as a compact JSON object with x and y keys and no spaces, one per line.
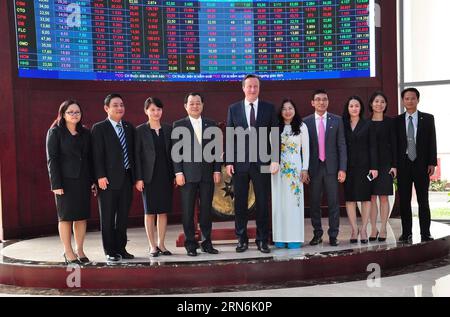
{"x":426,"y":41}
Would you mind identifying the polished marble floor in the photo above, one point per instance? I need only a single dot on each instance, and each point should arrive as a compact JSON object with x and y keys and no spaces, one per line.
{"x":421,"y":280}
{"x":48,"y":249}
{"x":430,"y":279}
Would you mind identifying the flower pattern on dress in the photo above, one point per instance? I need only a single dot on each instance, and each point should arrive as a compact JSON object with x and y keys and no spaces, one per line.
{"x":289,"y":170}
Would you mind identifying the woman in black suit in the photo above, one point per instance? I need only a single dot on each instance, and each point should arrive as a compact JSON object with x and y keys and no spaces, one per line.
{"x":69,"y":166}
{"x":154,"y":173}
{"x":361,"y":162}
{"x":387,"y":164}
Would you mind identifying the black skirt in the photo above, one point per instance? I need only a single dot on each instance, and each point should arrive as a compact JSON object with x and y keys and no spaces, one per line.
{"x":382,"y":185}
{"x":75,"y":204}
{"x":357,"y":187}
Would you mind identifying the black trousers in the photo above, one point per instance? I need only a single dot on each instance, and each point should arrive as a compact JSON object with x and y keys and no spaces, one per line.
{"x":413,"y":173}
{"x":261,"y":187}
{"x":318,"y":183}
{"x":188,"y":196}
{"x":114,"y":205}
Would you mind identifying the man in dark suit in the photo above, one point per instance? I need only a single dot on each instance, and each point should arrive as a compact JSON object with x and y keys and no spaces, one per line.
{"x":254,"y":115}
{"x":327,"y":165}
{"x":113,"y":151}
{"x":195,"y":174}
{"x":417,"y":159}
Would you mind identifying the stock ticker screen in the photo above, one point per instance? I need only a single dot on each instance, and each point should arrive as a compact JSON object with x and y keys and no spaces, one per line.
{"x":195,"y":40}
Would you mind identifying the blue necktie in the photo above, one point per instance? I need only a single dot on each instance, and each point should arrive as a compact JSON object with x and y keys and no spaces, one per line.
{"x":123,"y":144}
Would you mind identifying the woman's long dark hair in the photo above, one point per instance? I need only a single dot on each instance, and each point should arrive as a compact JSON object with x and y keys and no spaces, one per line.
{"x":60,"y":121}
{"x":296,"y":120}
{"x":346,"y":113}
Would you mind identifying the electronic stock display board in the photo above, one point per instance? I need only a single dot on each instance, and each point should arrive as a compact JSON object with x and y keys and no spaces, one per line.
{"x":195,"y":40}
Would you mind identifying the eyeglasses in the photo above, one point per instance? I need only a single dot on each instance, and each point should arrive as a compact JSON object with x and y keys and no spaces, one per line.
{"x":73,"y":113}
{"x":320,"y":99}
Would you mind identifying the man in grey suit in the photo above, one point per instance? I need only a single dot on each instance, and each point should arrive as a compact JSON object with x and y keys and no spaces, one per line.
{"x":327,"y":165}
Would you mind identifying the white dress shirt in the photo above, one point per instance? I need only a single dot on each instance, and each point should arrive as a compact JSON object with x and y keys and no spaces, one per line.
{"x":114,"y":124}
{"x":248,"y":109}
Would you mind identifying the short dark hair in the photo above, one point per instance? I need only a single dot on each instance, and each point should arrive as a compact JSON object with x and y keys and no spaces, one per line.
{"x":346,"y":113}
{"x":153,"y":100}
{"x":318,"y":92}
{"x":375,"y":95}
{"x":192,"y":94}
{"x":250,"y":76}
{"x":110,"y":97}
{"x":411,"y":89}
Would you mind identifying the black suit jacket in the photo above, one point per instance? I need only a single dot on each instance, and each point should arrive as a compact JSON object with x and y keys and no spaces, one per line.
{"x":387,"y":143}
{"x":108,"y":154}
{"x":361,"y":145}
{"x":64,"y":159}
{"x":425,"y":140}
{"x":195,"y":171}
{"x":145,"y":152}
{"x":266,"y":117}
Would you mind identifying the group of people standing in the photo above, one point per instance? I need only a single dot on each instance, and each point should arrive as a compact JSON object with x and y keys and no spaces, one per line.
{"x":322,"y":150}
{"x":366,"y":155}
{"x":112,"y":158}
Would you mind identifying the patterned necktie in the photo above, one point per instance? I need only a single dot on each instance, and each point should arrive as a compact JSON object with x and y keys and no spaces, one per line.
{"x":322,"y":140}
{"x":252,"y":116}
{"x":123,"y":144}
{"x":412,"y":153}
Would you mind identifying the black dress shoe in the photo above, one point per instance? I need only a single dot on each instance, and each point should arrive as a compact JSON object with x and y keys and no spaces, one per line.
{"x":315,"y":240}
{"x":209,"y":249}
{"x":192,"y":252}
{"x":263,"y":247}
{"x":426,"y":238}
{"x":241,"y":247}
{"x":334,"y":242}
{"x":125,"y":255}
{"x":405,"y":238}
{"x":112,"y":258}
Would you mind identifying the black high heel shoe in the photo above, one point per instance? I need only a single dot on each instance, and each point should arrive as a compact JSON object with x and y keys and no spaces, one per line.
{"x":156,"y":253}
{"x":371,"y":239}
{"x":364,"y":241}
{"x":68,"y":262}
{"x":381,"y":239}
{"x":84,"y":260}
{"x":165,"y":252}
{"x":353,"y":241}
